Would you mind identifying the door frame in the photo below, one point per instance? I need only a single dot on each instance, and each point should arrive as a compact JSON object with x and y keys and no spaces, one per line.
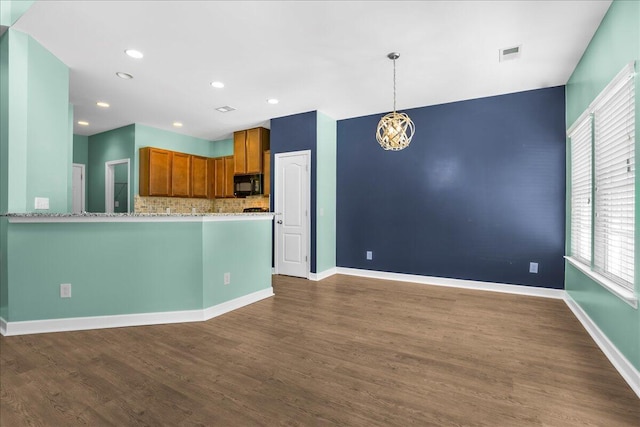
{"x":276,"y":198}
{"x":83,"y":201}
{"x":109,"y":182}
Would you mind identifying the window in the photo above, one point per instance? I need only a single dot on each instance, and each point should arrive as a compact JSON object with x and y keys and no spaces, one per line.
{"x":603,"y":187}
{"x":581,"y":191}
{"x":614,"y":134}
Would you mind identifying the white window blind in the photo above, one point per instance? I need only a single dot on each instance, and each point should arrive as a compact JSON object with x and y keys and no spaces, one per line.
{"x":614,"y":162}
{"x":581,"y":191}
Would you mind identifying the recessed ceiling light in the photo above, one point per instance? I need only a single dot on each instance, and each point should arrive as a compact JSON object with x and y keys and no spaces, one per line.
{"x":225,"y":109}
{"x":272,"y":101}
{"x":83,"y":123}
{"x":177,"y":124}
{"x":125,"y":76}
{"x":134,"y":53}
{"x":102,"y":104}
{"x":217,"y":85}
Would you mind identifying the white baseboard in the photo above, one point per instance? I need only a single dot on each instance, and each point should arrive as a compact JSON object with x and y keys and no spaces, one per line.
{"x":323,"y":274}
{"x":630,"y":374}
{"x":234,"y":304}
{"x":124,"y":320}
{"x":456,"y":283}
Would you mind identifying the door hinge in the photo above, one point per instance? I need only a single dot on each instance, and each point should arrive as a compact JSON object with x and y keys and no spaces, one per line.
{"x":305,"y":259}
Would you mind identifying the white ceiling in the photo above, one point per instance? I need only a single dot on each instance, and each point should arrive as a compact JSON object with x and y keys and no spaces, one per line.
{"x":311,"y":55}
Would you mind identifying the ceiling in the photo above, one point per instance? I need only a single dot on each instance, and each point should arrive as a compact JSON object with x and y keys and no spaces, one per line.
{"x":310,"y":55}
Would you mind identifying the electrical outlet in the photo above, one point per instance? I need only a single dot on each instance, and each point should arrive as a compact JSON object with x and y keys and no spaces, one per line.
{"x":116,"y":204}
{"x":42,"y":203}
{"x":65,"y":290}
{"x":533,"y":267}
{"x":227,"y":278}
{"x":193,"y":211}
{"x":369,"y":255}
{"x":168,"y":211}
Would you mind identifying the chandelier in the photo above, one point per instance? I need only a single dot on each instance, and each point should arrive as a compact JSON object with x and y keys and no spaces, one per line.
{"x":395,"y":130}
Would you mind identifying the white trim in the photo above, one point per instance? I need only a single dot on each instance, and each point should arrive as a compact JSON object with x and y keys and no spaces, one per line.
{"x":630,"y":374}
{"x":621,"y":292}
{"x":323,"y":274}
{"x":234,"y":304}
{"x":126,"y":320}
{"x":456,"y":283}
{"x":139,"y":218}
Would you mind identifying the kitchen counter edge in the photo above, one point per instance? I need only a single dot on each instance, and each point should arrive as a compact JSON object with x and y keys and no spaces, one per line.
{"x":134,"y":217}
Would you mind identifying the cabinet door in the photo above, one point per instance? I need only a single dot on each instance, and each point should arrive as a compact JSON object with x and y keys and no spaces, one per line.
{"x":198,"y":176}
{"x":266,"y":166}
{"x":155,"y":172}
{"x":240,"y":152}
{"x":254,"y":151}
{"x":220,"y":177}
{"x":228,"y":170}
{"x":211,"y":178}
{"x":180,"y":175}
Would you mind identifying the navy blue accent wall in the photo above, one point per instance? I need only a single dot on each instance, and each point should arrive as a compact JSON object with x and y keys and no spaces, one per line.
{"x":297,"y":133}
{"x":478,"y":194}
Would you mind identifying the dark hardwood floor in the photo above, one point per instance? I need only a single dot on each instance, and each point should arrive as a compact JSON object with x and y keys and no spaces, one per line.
{"x":344,"y":351}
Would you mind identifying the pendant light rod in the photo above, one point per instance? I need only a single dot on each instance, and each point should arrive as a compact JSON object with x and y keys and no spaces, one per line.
{"x":393,"y":56}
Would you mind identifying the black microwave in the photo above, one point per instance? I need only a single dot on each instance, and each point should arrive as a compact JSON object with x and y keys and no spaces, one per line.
{"x":247,"y":185}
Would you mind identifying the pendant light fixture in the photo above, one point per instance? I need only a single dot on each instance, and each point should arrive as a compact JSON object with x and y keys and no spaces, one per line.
{"x":395,"y":130}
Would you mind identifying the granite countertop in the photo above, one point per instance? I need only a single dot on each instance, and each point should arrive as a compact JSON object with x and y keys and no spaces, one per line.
{"x":121,"y":215}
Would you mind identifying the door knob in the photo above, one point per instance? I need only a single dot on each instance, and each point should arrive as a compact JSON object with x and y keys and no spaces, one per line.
{"x":279,"y":221}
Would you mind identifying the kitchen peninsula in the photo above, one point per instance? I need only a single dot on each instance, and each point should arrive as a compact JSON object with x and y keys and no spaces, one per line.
{"x":130,"y":269}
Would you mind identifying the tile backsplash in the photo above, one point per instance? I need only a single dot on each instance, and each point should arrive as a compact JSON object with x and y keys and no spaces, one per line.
{"x":175,"y":204}
{"x":184,"y":205}
{"x":238,"y":205}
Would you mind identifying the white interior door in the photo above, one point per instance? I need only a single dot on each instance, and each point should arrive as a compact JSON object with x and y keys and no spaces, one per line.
{"x":292,"y":207}
{"x":114,"y":188}
{"x":78,"y":188}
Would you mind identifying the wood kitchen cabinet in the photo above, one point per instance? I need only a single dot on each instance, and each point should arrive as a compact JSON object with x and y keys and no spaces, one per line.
{"x":181,"y":175}
{"x":266,"y":167}
{"x":199,"y":176}
{"x":248,"y":148}
{"x":223,"y":177}
{"x":155,"y":172}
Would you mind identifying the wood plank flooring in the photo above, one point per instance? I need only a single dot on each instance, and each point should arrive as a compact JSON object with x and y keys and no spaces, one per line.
{"x":344,"y":351}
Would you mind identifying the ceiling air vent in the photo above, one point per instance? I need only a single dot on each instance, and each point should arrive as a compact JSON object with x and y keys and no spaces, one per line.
{"x":509,"y":53}
{"x":225,"y":109}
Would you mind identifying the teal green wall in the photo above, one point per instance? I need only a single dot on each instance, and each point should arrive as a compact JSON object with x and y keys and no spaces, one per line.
{"x":326,"y":193}
{"x":229,"y":245}
{"x":80,"y":149}
{"x":615,"y":44}
{"x":11,"y":10}
{"x":222,"y":148}
{"x":36,"y":142}
{"x":116,"y":144}
{"x":133,"y":267}
{"x":4,"y":121}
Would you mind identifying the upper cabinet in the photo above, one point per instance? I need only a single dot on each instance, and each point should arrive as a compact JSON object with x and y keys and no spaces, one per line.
{"x":222,"y":177}
{"x":155,"y":172}
{"x":199,"y":176}
{"x":181,"y":175}
{"x":248,"y":148}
